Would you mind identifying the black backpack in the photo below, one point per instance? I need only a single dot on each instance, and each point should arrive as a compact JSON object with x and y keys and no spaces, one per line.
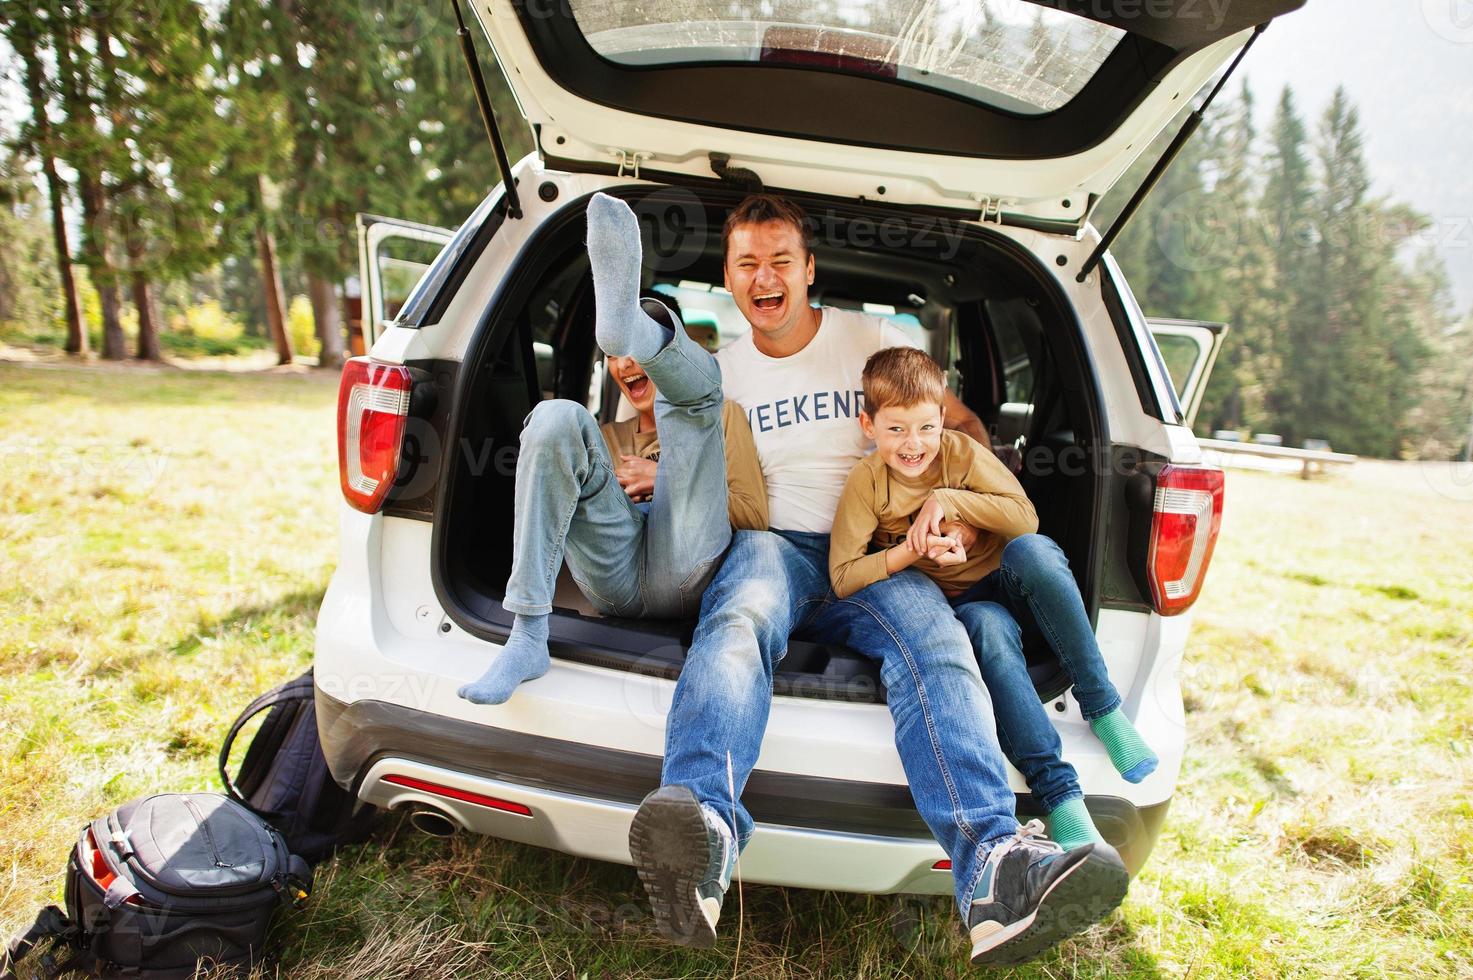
{"x":284,"y":776}
{"x":162,"y":883}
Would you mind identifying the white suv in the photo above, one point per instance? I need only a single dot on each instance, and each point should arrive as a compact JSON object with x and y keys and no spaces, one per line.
{"x":950,"y":156}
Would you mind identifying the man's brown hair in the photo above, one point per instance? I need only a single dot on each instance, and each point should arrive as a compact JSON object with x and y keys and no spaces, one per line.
{"x":758,"y":209}
{"x":902,"y":376}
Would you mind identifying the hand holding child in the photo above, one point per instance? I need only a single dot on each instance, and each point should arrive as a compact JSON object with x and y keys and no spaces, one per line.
{"x":945,"y":550}
{"x":925,"y":524}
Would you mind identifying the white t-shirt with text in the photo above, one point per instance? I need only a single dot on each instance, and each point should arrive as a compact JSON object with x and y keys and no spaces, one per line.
{"x":804,"y":411}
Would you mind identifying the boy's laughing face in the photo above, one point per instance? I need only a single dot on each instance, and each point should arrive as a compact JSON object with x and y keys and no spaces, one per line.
{"x":907,"y":437}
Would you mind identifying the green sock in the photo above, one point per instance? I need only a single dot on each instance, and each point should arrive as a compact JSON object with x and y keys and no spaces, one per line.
{"x":1069,"y":825}
{"x":1129,"y":753}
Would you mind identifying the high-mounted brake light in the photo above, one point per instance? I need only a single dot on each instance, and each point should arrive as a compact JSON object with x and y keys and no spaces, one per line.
{"x":1186,"y":516}
{"x":373,"y":404}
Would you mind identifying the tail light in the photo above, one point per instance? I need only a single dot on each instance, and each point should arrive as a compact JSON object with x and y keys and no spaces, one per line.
{"x":1186,"y":516}
{"x":373,"y":404}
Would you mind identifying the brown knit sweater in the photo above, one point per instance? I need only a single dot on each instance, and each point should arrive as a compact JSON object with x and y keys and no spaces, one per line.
{"x":877,"y":507}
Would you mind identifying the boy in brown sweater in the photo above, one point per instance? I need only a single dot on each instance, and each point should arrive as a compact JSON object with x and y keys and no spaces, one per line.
{"x":889,"y":518}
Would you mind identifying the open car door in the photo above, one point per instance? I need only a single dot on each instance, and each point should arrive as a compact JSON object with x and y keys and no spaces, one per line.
{"x":1025,"y":111}
{"x":392,"y":256}
{"x":1188,"y":348}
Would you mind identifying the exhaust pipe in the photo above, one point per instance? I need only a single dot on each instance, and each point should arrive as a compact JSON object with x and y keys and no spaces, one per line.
{"x":432,"y":822}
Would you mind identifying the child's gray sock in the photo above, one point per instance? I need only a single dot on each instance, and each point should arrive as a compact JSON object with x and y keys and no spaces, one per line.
{"x":523,"y":658}
{"x":622,"y":328}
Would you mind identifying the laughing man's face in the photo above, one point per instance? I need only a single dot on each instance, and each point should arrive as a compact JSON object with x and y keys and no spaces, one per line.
{"x":768,"y":271}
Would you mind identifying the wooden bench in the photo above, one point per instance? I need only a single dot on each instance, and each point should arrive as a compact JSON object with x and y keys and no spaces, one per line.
{"x":1312,"y":460}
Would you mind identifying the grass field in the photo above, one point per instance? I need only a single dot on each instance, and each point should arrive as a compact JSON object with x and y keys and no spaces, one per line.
{"x":165,"y":537}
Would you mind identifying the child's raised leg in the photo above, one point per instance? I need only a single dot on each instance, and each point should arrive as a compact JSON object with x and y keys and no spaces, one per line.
{"x":688,"y":530}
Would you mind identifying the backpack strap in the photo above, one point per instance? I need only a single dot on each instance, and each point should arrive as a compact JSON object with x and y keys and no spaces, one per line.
{"x":290,"y":691}
{"x":51,"y":924}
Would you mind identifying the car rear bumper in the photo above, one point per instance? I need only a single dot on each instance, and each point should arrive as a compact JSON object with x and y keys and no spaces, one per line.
{"x":812,"y":832}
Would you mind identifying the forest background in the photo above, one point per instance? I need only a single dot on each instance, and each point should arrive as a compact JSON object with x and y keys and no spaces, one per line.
{"x":181,"y":178}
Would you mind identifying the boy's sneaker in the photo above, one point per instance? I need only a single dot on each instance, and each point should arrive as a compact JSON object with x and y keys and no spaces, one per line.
{"x":685,"y":856}
{"x":1034,"y":894}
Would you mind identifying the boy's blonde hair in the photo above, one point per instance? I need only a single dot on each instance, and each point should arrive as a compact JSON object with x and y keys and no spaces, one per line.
{"x":902,"y":376}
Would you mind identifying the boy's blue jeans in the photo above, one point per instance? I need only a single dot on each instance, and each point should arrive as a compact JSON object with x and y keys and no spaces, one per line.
{"x":775,"y":585}
{"x":628,"y":559}
{"x":1034,"y":589}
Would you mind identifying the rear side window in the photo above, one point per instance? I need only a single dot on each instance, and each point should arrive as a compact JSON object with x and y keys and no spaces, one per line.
{"x":1017,"y":364}
{"x":1181,"y":355}
{"x":1008,"y":54}
{"x":1147,"y":369}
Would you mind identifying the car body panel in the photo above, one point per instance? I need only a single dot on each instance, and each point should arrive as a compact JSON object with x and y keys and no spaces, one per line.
{"x":801,"y":852}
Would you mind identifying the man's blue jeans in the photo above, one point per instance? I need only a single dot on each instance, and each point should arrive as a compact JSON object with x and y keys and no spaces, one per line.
{"x":628,"y":559}
{"x":775,"y":585}
{"x":1033,"y":589}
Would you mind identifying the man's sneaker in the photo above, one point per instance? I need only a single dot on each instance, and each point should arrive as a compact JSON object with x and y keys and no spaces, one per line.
{"x":685,"y":856}
{"x":1033,"y":894}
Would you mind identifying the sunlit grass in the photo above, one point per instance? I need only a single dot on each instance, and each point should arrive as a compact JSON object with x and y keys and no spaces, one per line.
{"x":165,"y":538}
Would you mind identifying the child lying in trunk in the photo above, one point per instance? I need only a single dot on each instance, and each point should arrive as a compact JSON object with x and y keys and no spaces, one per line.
{"x":889,"y":518}
{"x":574,"y":500}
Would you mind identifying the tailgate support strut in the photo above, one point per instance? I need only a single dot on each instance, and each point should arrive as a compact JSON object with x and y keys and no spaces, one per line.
{"x":1167,"y":159}
{"x":488,"y":117}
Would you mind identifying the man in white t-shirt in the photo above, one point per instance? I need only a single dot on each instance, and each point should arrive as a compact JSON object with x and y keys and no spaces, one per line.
{"x":797,"y":376}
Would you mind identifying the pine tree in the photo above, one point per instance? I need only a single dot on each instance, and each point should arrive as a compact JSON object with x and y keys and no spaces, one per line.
{"x":25,"y":29}
{"x":1173,"y":248}
{"x":342,"y":83}
{"x":1285,"y":216}
{"x":1339,"y":296}
{"x":1357,"y":343}
{"x":76,"y":33}
{"x":1447,"y":422}
{"x":30,"y":291}
{"x":1415,"y":323}
{"x":1236,"y":391}
{"x":456,"y":167}
{"x":167,"y":195}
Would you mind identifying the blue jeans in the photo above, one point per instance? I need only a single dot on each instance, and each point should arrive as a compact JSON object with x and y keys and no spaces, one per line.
{"x":628,"y":559}
{"x":1033,"y":589}
{"x":775,"y":585}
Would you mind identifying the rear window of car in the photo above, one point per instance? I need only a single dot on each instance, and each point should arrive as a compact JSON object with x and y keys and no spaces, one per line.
{"x":1008,"y":54}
